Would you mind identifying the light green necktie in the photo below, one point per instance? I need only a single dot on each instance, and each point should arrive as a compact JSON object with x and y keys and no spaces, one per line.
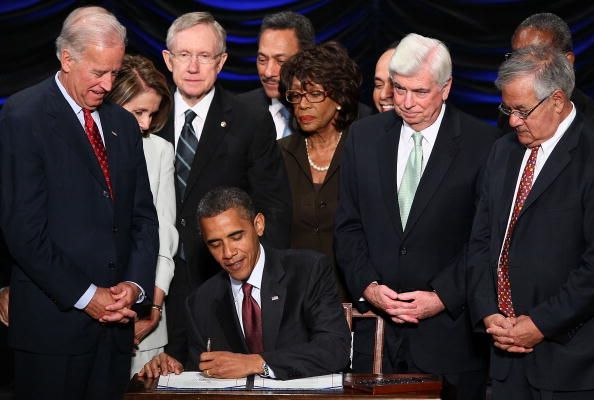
{"x":411,"y":178}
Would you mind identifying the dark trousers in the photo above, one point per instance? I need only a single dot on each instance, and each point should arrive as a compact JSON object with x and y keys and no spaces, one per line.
{"x":177,"y":339}
{"x":102,"y":374}
{"x":466,"y":385}
{"x":516,"y":387}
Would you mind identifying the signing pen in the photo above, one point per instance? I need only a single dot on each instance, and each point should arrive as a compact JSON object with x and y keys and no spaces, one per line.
{"x":208,"y":345}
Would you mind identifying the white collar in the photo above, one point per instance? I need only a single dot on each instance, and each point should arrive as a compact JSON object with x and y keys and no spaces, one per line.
{"x":201,"y":108}
{"x":429,"y":133}
{"x":255,"y":278}
{"x":549,"y":145}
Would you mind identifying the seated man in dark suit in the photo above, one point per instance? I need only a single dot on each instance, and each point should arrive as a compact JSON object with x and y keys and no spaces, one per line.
{"x":290,"y":326}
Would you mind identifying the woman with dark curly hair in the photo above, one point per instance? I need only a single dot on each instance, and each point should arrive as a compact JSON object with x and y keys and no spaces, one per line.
{"x":320,"y":87}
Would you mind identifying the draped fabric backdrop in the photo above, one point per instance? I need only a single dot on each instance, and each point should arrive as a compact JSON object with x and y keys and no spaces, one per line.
{"x":477,"y":32}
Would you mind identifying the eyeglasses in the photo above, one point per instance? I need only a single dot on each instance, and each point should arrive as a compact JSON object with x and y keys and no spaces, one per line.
{"x":315,"y":96}
{"x":505,"y":110}
{"x":185,"y":57}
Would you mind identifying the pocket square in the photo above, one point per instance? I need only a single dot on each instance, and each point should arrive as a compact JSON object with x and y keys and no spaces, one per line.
{"x":274,"y":298}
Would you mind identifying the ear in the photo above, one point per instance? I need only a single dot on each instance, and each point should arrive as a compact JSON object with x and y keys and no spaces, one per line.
{"x":167,"y":58}
{"x":221,"y":62}
{"x":570,"y":57}
{"x":259,"y":224}
{"x":559,"y":100}
{"x":66,"y":60}
{"x":445,"y":91}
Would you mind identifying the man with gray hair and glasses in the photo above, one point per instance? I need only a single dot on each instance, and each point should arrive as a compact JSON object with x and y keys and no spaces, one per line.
{"x":218,"y":140}
{"x":408,"y":186}
{"x":78,"y":217}
{"x":531,"y":252}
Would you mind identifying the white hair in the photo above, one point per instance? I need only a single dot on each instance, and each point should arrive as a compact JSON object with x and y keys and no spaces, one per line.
{"x":89,"y":26}
{"x":189,"y":20}
{"x":414,"y":52}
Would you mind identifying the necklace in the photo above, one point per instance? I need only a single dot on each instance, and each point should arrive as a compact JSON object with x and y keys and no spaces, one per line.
{"x":314,"y":165}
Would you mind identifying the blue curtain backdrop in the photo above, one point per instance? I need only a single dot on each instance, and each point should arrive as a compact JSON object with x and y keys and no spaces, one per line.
{"x":477,"y":33}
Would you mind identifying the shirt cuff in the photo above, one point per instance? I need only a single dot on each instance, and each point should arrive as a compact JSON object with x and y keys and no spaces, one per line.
{"x":86,"y":298}
{"x":141,"y":295}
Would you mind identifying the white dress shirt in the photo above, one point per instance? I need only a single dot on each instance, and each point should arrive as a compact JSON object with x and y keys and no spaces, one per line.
{"x":406,"y":144}
{"x":201,"y":109}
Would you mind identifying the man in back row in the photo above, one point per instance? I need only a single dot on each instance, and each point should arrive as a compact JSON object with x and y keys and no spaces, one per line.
{"x":270,"y":312}
{"x":219,"y":140}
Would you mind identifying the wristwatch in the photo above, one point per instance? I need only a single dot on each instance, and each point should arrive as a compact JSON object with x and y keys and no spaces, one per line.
{"x":266,"y":373}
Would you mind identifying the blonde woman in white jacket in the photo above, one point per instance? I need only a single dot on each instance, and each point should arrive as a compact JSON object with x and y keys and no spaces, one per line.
{"x":141,"y":89}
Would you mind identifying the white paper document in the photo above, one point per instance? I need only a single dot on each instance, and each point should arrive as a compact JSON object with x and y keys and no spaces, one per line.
{"x":323,"y":382}
{"x":193,"y":380}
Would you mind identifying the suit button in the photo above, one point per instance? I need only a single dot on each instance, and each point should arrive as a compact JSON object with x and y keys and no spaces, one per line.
{"x":111,"y":265}
{"x":323,"y":204}
{"x":115,"y":229}
{"x":182,"y":222}
{"x":403,"y":251}
{"x":105,"y":194}
{"x":316,"y":229}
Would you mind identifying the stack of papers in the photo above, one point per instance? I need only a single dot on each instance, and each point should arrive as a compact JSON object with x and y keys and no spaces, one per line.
{"x":324,"y":382}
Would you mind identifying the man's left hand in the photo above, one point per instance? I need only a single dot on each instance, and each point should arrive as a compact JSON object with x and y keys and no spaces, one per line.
{"x":124,"y":295}
{"x":418,"y":305}
{"x":224,"y":364}
{"x":522,"y":337}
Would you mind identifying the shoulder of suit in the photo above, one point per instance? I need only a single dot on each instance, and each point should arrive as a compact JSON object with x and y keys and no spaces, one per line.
{"x":296,"y":259}
{"x":213,"y":285}
{"x":32,"y":97}
{"x":157,"y":142}
{"x":256,"y":95}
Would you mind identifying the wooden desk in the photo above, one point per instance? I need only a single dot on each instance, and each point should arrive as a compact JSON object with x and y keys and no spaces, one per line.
{"x":145,"y":389}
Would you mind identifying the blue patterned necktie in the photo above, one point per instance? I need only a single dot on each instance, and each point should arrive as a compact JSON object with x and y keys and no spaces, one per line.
{"x":287,"y":118}
{"x":184,"y":154}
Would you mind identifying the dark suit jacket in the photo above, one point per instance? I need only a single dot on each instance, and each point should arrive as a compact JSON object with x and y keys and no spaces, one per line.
{"x":314,"y":209}
{"x":303,"y":325}
{"x":61,"y":227}
{"x":430,"y":253}
{"x":551,"y":256}
{"x":237,"y":148}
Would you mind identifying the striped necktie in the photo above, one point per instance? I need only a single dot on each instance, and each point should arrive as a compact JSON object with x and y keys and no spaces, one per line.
{"x":411,"y":178}
{"x":184,"y":154}
{"x":287,"y":118}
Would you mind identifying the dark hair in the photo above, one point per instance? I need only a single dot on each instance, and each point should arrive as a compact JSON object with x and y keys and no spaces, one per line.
{"x":304,"y":30}
{"x":551,"y":23}
{"x":329,"y":65}
{"x":221,"y":199}
{"x":136,"y":75}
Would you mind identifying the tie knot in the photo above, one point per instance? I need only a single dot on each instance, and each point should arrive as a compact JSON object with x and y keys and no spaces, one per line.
{"x":190,"y":115}
{"x":247,"y":289}
{"x":417,"y":138}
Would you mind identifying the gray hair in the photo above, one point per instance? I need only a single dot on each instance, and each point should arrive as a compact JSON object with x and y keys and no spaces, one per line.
{"x":89,"y":26}
{"x":189,"y":20}
{"x":304,"y":30}
{"x":549,"y":67}
{"x":551,"y":23}
{"x":415,"y":51}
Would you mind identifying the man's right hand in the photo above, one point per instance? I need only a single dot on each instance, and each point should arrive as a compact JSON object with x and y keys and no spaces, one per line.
{"x":101,"y":299}
{"x":161,"y":364}
{"x":4,"y":299}
{"x":385,"y":299}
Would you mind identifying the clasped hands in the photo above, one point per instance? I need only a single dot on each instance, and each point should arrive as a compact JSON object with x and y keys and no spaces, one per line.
{"x":215,"y":364}
{"x":114,"y":304}
{"x":410,"y":307}
{"x":513,"y":334}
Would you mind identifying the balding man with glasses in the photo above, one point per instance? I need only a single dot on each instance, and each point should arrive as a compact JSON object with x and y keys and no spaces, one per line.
{"x":531,"y":249}
{"x":219,"y":141}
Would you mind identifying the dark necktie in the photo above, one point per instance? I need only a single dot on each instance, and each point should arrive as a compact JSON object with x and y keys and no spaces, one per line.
{"x":504,"y":297}
{"x":252,"y":320}
{"x":184,"y":154}
{"x":98,"y":147}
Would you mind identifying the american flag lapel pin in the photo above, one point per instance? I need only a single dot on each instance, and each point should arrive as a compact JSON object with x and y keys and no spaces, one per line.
{"x":274,"y":298}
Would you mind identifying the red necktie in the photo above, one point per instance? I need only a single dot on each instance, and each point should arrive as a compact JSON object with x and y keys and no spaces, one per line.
{"x":98,"y":147}
{"x":252,"y":320}
{"x":503,"y":285}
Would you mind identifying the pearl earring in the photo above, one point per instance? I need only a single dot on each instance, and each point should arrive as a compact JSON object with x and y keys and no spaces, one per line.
{"x":338,"y":107}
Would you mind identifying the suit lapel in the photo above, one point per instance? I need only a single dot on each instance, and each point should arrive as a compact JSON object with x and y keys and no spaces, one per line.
{"x":556,"y":162}
{"x":512,"y":170}
{"x":112,"y":147}
{"x":230,"y":326}
{"x":66,"y":125}
{"x":444,"y":150}
{"x":217,"y":124}
{"x":272,"y":298}
{"x":387,"y":153}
